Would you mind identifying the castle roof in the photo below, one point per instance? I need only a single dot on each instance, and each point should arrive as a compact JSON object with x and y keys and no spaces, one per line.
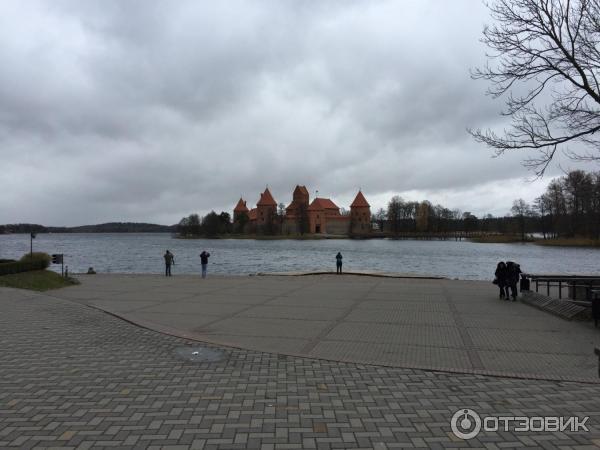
{"x":241,"y":206}
{"x":300,"y":190}
{"x":322,"y":203}
{"x":266,"y":199}
{"x":328,"y":204}
{"x":252,"y":214}
{"x":293,"y":206}
{"x":360,"y":201}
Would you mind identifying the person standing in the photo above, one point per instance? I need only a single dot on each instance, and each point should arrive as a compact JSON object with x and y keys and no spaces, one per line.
{"x":338,"y":263}
{"x":513,"y":271}
{"x":204,"y":261}
{"x":501,"y":274}
{"x":169,"y":260}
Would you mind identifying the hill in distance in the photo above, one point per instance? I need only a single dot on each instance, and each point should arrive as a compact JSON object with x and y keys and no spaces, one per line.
{"x":111,"y":227}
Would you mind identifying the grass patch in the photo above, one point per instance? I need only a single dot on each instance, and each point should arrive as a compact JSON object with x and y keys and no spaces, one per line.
{"x":569,"y":242}
{"x":36,"y":280}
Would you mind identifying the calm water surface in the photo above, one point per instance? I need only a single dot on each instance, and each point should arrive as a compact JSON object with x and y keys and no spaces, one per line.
{"x":142,"y":253}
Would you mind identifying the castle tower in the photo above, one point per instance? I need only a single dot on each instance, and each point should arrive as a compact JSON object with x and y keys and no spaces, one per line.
{"x":360,"y":215}
{"x":300,"y":195}
{"x":296,"y":214}
{"x":240,"y":209}
{"x":266,"y":209}
{"x":299,"y":205}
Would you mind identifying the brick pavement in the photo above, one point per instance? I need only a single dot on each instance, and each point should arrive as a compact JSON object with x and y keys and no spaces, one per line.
{"x":416,"y":323}
{"x":75,"y":377}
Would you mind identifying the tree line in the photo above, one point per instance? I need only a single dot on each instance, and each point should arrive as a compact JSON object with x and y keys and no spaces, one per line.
{"x":424,"y":217}
{"x":570,"y":207}
{"x":211,"y":225}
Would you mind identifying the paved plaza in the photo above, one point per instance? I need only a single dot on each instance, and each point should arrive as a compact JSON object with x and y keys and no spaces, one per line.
{"x":438,"y":324}
{"x":75,"y":377}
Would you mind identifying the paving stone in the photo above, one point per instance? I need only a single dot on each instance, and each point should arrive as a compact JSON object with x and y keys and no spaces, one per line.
{"x":461,"y":326}
{"x":75,"y":377}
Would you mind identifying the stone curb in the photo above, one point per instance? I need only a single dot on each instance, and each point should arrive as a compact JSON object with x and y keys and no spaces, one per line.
{"x":360,"y":274}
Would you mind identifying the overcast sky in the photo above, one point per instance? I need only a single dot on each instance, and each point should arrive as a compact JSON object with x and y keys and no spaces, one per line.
{"x":149,"y":111}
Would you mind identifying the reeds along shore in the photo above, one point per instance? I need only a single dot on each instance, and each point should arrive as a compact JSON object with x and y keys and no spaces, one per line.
{"x":550,"y":242}
{"x":569,"y":242}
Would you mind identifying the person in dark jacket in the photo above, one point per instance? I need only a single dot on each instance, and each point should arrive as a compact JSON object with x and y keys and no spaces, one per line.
{"x":513,"y":271}
{"x":169,"y":260}
{"x":338,"y":263}
{"x":501,"y":279}
{"x":204,"y":261}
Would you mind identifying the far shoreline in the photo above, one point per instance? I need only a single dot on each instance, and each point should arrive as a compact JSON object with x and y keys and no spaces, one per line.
{"x":491,"y":239}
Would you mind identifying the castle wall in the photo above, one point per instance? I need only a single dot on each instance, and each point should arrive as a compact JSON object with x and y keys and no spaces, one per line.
{"x":290,"y":227}
{"x":338,"y":225}
{"x":361,"y":219}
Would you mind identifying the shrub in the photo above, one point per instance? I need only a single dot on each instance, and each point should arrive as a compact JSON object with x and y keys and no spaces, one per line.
{"x":37,"y":261}
{"x":42,"y":260}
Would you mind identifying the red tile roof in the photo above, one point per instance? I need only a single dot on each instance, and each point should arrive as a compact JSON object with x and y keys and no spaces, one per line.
{"x":241,"y":206}
{"x":293,"y":207}
{"x":360,"y":201}
{"x":315,"y":205}
{"x":322,"y":203}
{"x":266,"y":199}
{"x":327,"y":203}
{"x":252,"y":214}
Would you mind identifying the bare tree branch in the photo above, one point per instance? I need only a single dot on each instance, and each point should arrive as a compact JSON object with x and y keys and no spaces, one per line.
{"x":552,"y":49}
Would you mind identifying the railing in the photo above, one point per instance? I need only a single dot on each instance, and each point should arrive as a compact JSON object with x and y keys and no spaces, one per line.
{"x":596,"y":315}
{"x":579,"y":287}
{"x":582,"y":290}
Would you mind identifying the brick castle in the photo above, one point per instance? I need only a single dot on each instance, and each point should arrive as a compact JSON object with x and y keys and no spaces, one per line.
{"x":321,"y":216}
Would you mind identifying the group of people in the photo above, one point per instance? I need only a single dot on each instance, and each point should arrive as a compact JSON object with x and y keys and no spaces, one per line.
{"x":170,"y":261}
{"x":507,"y":277}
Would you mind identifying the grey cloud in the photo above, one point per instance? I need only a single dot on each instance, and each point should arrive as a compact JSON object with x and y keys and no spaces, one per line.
{"x":151,"y":110}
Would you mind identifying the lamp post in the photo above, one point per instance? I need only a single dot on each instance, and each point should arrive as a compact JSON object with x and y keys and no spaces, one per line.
{"x":32,"y":235}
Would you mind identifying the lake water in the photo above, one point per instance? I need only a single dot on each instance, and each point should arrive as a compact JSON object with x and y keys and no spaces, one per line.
{"x":142,"y":253}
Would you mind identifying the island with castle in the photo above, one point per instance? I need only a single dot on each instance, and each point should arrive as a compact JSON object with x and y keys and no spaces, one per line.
{"x":319,"y":217}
